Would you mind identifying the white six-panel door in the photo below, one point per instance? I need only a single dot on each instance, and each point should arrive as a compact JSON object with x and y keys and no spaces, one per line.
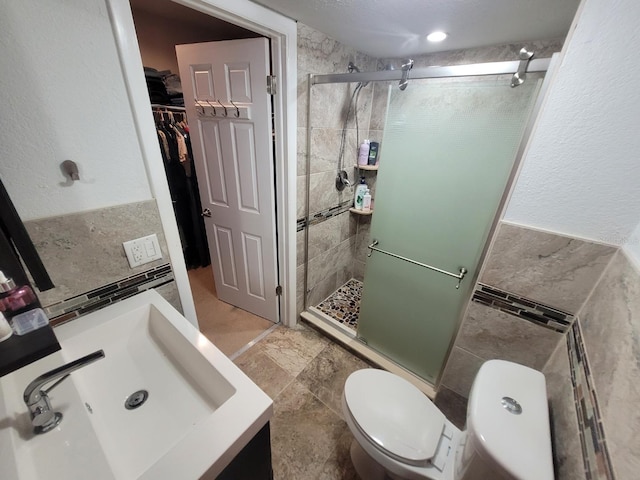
{"x":234,"y":163}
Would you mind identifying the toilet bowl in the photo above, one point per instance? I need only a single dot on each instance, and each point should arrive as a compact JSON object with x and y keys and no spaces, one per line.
{"x":400,"y":434}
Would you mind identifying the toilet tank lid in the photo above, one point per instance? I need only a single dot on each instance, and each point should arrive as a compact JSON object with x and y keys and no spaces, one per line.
{"x":394,"y":414}
{"x":509,"y":418}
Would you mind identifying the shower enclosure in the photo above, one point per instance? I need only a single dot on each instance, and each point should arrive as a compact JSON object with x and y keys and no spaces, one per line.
{"x":398,"y":278}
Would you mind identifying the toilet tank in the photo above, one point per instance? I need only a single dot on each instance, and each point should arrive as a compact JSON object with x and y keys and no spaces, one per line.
{"x":507,"y":434}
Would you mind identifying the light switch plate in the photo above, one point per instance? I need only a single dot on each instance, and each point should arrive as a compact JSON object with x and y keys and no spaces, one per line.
{"x":142,"y":250}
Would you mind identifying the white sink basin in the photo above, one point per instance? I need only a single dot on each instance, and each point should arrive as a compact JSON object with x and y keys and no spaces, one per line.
{"x":201,"y":410}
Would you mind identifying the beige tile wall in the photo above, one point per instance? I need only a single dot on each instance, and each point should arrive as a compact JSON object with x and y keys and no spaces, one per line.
{"x":610,"y":322}
{"x":566,"y":441}
{"x":331,"y":242}
{"x":83,"y":251}
{"x":548,"y":268}
{"x":602,"y":286}
{"x":557,"y":270}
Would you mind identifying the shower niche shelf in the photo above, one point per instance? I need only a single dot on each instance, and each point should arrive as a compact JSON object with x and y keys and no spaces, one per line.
{"x":367,"y":167}
{"x":361,"y":212}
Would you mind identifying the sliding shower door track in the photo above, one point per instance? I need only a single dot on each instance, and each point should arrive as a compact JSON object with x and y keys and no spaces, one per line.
{"x":347,"y":337}
{"x":475,"y":69}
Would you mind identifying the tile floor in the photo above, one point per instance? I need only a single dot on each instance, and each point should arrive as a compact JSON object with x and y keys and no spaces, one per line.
{"x":229,"y":328}
{"x":304,"y":373}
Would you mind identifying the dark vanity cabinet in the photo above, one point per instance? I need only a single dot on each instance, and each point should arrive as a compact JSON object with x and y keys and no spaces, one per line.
{"x":16,"y":250}
{"x":254,"y":460}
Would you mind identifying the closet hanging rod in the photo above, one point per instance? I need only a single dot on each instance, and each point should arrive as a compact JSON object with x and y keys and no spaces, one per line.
{"x":460,"y":275}
{"x":168,"y":107}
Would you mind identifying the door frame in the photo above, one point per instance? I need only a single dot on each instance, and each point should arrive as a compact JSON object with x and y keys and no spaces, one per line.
{"x":282,"y":33}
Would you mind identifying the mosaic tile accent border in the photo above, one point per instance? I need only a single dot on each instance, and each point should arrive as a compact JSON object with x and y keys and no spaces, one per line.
{"x":527,"y":309}
{"x":323,"y":215}
{"x":343,"y":305}
{"x":595,"y":454}
{"x":97,"y":298}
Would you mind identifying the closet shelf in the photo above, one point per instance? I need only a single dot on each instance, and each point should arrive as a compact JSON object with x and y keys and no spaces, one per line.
{"x":367,"y":167}
{"x":361,"y":212}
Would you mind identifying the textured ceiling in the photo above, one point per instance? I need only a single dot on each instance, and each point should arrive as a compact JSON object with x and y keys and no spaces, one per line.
{"x":395,"y":28}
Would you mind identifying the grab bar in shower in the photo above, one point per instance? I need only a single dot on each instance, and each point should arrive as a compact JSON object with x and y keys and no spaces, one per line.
{"x":460,"y":275}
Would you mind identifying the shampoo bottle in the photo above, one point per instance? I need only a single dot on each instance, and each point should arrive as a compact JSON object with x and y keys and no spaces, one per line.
{"x":366,"y":201}
{"x":363,"y":153}
{"x":361,"y":189}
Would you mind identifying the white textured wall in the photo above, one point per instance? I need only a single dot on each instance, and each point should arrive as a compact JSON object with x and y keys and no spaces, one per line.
{"x":63,"y":97}
{"x":581,"y":174}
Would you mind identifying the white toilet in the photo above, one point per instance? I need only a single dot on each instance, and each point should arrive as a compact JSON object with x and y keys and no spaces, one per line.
{"x":400,"y":434}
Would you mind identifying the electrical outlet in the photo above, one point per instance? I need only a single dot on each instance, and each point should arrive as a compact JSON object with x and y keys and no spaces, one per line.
{"x":142,"y":250}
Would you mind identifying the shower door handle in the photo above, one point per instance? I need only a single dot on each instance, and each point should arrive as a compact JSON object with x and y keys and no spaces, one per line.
{"x":460,"y":275}
{"x":206,"y":212}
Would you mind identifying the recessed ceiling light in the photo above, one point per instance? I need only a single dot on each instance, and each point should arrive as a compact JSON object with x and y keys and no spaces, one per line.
{"x":436,"y":36}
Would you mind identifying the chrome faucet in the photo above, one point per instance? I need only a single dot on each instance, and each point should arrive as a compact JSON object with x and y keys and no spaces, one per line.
{"x":43,"y":417}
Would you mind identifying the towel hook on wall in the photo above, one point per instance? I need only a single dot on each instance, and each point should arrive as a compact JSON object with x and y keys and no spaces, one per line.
{"x":70,"y":169}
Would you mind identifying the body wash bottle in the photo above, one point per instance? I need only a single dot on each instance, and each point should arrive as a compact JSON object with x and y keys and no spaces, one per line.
{"x":373,"y":153}
{"x":361,"y":188}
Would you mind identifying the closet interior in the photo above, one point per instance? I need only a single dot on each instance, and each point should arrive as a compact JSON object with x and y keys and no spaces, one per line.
{"x":160,"y":26}
{"x":177,"y":155}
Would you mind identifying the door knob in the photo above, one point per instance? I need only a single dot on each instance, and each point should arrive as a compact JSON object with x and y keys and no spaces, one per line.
{"x":206,"y":212}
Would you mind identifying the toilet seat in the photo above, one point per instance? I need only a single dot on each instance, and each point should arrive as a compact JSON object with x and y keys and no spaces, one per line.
{"x":394,"y":415}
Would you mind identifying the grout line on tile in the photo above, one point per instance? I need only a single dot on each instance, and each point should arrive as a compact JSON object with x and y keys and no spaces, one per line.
{"x":246,"y":347}
{"x":293,"y":379}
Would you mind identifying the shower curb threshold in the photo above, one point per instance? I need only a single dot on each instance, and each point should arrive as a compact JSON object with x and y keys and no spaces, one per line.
{"x":316,"y":318}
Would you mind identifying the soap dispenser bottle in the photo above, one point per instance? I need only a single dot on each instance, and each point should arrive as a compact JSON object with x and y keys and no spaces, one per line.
{"x":361,"y":189}
{"x":366,"y":201}
{"x":15,"y":299}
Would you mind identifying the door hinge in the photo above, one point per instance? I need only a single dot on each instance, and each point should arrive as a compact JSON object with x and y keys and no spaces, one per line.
{"x":279,"y":290}
{"x":271,"y":84}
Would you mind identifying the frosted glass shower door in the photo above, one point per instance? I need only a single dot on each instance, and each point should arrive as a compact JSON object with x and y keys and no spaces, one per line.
{"x":447,"y":151}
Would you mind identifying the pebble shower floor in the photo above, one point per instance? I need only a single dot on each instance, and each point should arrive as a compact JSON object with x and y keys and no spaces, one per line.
{"x":343,"y":305}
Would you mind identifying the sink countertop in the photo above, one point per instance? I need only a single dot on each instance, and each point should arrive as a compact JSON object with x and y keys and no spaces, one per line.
{"x":145,"y":341}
